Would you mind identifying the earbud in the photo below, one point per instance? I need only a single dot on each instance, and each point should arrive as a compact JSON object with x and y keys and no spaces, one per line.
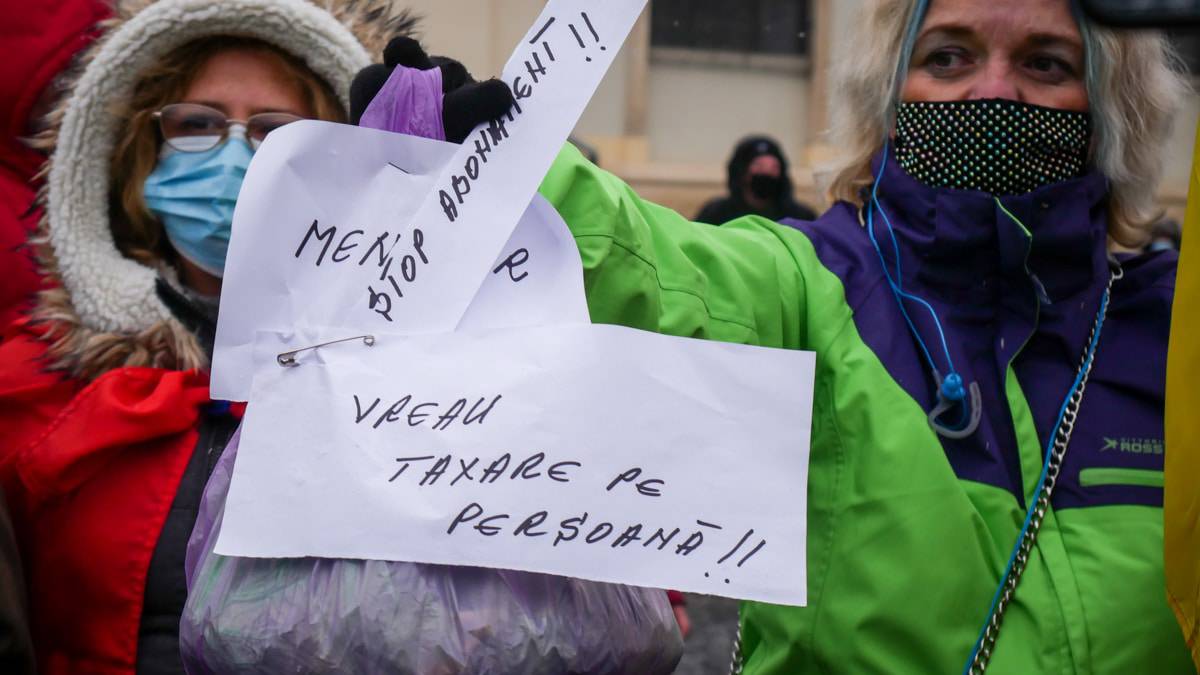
{"x":951,"y":392}
{"x":952,"y":388}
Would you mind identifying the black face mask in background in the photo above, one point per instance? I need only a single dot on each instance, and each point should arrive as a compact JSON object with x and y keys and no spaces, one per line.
{"x":766,"y":187}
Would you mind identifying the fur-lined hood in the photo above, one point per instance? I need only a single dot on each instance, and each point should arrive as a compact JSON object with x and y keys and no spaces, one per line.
{"x":104,"y":312}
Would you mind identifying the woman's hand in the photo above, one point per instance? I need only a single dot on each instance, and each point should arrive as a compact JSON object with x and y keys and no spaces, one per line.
{"x":410,"y":92}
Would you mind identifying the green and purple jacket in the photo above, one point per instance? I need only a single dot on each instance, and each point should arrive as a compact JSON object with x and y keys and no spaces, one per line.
{"x":909,"y":532}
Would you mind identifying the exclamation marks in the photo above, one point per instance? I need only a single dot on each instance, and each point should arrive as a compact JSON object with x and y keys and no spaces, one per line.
{"x":591,"y":29}
{"x":741,"y":542}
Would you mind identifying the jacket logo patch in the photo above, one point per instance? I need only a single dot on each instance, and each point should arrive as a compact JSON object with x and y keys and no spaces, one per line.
{"x":1135,"y":446}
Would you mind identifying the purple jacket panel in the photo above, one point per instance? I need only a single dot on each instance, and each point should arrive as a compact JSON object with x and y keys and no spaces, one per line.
{"x":1120,"y":424}
{"x":1002,"y":297}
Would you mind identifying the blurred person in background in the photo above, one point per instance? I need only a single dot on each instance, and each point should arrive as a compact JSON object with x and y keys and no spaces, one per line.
{"x":40,"y":39}
{"x":985,"y":482}
{"x":1167,"y":235}
{"x":109,"y":432}
{"x":759,"y":184}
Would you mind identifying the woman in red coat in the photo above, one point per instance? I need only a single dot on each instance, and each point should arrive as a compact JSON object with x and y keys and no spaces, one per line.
{"x":107,"y":431}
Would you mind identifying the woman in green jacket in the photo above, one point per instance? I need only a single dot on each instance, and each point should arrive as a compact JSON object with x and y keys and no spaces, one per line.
{"x":985,"y":486}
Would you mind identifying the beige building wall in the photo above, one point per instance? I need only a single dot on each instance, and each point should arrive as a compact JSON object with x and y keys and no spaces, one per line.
{"x":1179,"y":157}
{"x":667,"y":126}
{"x":697,"y":113}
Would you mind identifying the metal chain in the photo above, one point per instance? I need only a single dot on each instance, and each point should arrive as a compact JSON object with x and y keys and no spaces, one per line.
{"x":1058,"y":452}
{"x":735,"y":664}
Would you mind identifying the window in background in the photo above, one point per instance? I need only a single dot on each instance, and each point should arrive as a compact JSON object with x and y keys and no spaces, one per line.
{"x":755,"y":33}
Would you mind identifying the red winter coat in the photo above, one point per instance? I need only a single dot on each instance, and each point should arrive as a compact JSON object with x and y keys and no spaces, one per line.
{"x":100,"y":405}
{"x":91,"y":471}
{"x":39,"y":39}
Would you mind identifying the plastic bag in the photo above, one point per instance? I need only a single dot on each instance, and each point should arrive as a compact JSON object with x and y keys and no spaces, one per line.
{"x":316,"y":615}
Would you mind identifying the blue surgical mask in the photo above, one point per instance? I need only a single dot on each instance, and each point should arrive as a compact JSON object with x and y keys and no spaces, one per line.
{"x":193,"y":194}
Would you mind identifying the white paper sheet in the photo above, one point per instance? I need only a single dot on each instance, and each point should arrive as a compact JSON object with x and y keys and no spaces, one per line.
{"x":707,"y":439}
{"x":474,"y":205}
{"x":369,"y":181}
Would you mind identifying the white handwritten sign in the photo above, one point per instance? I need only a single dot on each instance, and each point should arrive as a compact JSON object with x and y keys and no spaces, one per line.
{"x":322,"y":201}
{"x":403,"y":236}
{"x":596,"y":452}
{"x":475,"y":203}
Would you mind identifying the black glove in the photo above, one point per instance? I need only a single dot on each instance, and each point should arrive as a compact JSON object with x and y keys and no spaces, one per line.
{"x":465,"y":104}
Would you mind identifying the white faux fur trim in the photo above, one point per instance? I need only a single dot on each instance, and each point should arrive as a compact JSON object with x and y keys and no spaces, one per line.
{"x":109,"y":292}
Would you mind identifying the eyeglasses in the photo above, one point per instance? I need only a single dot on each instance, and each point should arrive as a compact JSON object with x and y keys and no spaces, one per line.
{"x":191,"y":127}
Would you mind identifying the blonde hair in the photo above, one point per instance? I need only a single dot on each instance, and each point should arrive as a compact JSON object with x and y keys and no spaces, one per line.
{"x":136,"y":232}
{"x":1134,"y":83}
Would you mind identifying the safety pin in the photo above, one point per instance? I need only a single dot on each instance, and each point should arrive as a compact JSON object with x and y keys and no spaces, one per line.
{"x":288,"y":359}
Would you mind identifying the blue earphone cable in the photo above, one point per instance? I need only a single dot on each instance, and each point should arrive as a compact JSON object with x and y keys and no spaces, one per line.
{"x":896,"y":284}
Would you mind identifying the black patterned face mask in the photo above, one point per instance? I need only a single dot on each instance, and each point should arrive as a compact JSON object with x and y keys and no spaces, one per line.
{"x":996,"y":146}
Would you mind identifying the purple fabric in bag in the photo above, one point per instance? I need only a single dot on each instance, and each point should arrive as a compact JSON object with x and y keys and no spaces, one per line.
{"x":410,"y":102}
{"x":317,"y":615}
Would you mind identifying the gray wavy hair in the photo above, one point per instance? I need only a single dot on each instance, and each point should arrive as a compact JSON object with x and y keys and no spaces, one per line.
{"x":1134,"y":82}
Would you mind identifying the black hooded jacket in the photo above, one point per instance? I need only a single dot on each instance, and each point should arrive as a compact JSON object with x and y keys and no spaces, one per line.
{"x":731,"y":206}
